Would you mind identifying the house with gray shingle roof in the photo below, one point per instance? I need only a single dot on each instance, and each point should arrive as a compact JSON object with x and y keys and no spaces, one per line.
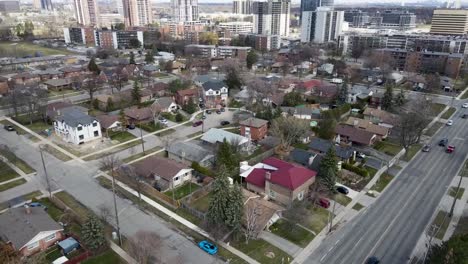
{"x":216,"y":136}
{"x":76,"y":127}
{"x":188,"y":152}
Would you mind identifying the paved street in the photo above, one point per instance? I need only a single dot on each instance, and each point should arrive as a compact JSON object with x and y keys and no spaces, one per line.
{"x":390,"y":228}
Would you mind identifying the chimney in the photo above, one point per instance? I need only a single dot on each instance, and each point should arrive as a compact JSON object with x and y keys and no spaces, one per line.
{"x":27,"y":209}
{"x":268,"y":175}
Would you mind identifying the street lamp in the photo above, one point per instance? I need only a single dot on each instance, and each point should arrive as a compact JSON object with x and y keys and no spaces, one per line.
{"x":41,"y":147}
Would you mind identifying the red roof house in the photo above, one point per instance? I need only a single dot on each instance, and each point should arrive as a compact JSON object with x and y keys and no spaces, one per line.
{"x":282,"y":181}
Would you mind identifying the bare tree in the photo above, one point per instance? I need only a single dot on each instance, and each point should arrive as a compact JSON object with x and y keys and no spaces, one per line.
{"x":127,"y":172}
{"x":91,"y":86}
{"x":412,"y":122}
{"x":288,"y":129}
{"x":142,"y":247}
{"x":252,"y":225}
{"x":105,"y":213}
{"x":259,"y":90}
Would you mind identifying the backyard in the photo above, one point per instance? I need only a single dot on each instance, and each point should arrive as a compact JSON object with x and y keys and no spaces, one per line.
{"x":182,"y":191}
{"x":202,"y":203}
{"x":292,"y":232}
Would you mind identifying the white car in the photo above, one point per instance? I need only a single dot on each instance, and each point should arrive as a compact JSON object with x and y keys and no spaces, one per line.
{"x":465,"y":105}
{"x":450,"y":122}
{"x":163,"y":121}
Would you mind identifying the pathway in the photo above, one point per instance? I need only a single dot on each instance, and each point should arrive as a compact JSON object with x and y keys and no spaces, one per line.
{"x":281,"y":243}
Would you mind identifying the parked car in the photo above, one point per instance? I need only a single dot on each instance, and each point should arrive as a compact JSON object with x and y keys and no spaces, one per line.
{"x":342,"y":189}
{"x":449,"y":122}
{"x":373,"y":260}
{"x":465,"y":105}
{"x":464,"y":116}
{"x":203,"y":117}
{"x":225,"y":123}
{"x":426,"y":148}
{"x":163,"y":121}
{"x":443,"y":142}
{"x":197,"y":123}
{"x":450,"y":149}
{"x":208,"y":112}
{"x":218,"y":112}
{"x":325,"y":203}
{"x":208,"y":247}
{"x":131,"y":126}
{"x":9,"y":128}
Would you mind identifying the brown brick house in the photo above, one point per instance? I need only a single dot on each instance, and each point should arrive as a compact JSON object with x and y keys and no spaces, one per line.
{"x":350,"y":135}
{"x":254,"y":128}
{"x":184,"y":96}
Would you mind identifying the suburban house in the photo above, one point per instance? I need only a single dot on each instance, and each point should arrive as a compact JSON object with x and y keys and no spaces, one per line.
{"x":321,"y":146}
{"x":136,"y":115}
{"x":380,"y":117}
{"x":165,"y":173}
{"x":29,"y":229}
{"x":4,"y":87}
{"x":267,"y":213}
{"x":184,"y":96}
{"x":357,"y":93}
{"x":305,"y":158}
{"x":25,"y":78}
{"x":381,"y":131}
{"x":69,"y":72}
{"x":187,"y":152}
{"x":58,"y":84}
{"x":109,"y":123}
{"x":76,"y":127}
{"x":376,"y":99}
{"x":165,"y":104}
{"x":350,"y":135}
{"x":48,"y":74}
{"x":203,"y":78}
{"x":281,"y":181}
{"x":254,"y":128}
{"x":215,"y":136}
{"x":159,"y":89}
{"x":215,"y":93}
{"x":308,"y":113}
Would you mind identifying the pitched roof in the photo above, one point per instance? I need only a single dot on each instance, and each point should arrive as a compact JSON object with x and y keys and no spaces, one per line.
{"x":213,"y":85}
{"x":190,"y":151}
{"x":301,"y":156}
{"x":354,"y":134}
{"x":309,"y":85}
{"x":287,"y":175}
{"x":58,"y":82}
{"x":73,"y":117}
{"x":384,"y":116}
{"x":323,"y":145}
{"x":253,"y":122}
{"x":160,"y":86}
{"x":265,"y":209}
{"x":19,"y":228}
{"x":215,"y":135}
{"x":138,"y":113}
{"x":189,"y":92}
{"x":158,"y":166}
{"x":367,"y":126}
{"x":164,"y":102}
{"x":107,"y":120}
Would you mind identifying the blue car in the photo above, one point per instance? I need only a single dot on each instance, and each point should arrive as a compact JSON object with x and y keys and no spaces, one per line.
{"x":208,"y":247}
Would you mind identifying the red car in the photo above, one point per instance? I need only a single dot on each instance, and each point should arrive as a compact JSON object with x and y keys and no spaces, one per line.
{"x":450,"y":149}
{"x":197,"y":123}
{"x":325,"y":203}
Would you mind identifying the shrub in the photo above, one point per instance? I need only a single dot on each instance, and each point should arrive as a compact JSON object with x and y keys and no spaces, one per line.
{"x":201,"y":169}
{"x":179,"y":117}
{"x":360,"y":171}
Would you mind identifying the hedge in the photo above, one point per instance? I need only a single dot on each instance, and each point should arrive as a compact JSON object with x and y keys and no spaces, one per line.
{"x":360,"y":171}
{"x":203,"y":170}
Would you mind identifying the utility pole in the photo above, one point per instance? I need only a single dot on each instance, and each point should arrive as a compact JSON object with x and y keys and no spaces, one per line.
{"x":141,"y":136}
{"x":115,"y":205}
{"x":45,"y":171}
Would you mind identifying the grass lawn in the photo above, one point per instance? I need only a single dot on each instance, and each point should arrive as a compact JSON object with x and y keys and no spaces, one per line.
{"x":464,"y":95}
{"x":38,"y":126}
{"x":77,"y":207}
{"x":52,"y":254}
{"x":182,"y":191}
{"x":342,"y":199}
{"x":437,"y":108}
{"x":433,"y":129}
{"x":317,"y":219}
{"x":52,"y":210}
{"x":358,"y":206}
{"x":371,"y":171}
{"x":108,"y":257}
{"x":449,"y":113}
{"x":56,"y":153}
{"x":71,"y":150}
{"x":383,"y":181}
{"x":121,"y":136}
{"x":12,"y":184}
{"x":151,"y":127}
{"x":202,"y":203}
{"x":199,"y":133}
{"x":292,"y":232}
{"x":16,"y":161}
{"x":257,"y":249}
{"x":160,"y":75}
{"x":166,"y":132}
{"x":172,"y":117}
{"x":64,"y":93}
{"x":464,"y":170}
{"x":411,"y":152}
{"x":28,"y":49}
{"x":387,"y":148}
{"x":453,"y":192}
{"x":440,"y":224}
{"x":6,"y":172}
{"x":139,"y":155}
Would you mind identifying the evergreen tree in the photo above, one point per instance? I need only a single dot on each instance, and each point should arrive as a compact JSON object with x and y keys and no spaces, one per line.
{"x":251,"y":59}
{"x":233,"y":81}
{"x":110,"y":104}
{"x":132,"y":57}
{"x":227,"y":156}
{"x":328,"y":170}
{"x":136,"y":92}
{"x":179,"y":117}
{"x":343,"y":94}
{"x":190,"y":107}
{"x":92,"y":66}
{"x":235,"y":207}
{"x":219,"y":199}
{"x":387,"y":100}
{"x":149,"y":57}
{"x":400,"y":98}
{"x":93,"y":233}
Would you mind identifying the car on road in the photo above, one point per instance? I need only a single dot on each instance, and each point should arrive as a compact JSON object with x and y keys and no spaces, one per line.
{"x":342,"y":189}
{"x":218,"y":112}
{"x":222,"y":109}
{"x":464,"y":116}
{"x":450,"y":149}
{"x":225,"y":123}
{"x":373,"y":260}
{"x":9,"y":128}
{"x":208,"y":247}
{"x":449,"y":122}
{"x":361,"y":155}
{"x":426,"y":148}
{"x":465,"y":105}
{"x":208,"y":112}
{"x":443,"y":142}
{"x":325,"y":203}
{"x":197,"y":123}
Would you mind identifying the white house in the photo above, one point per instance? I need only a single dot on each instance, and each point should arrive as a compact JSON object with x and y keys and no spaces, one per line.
{"x":76,"y":127}
{"x":215,"y":93}
{"x":358,"y":92}
{"x":216,"y":136}
{"x":165,"y":104}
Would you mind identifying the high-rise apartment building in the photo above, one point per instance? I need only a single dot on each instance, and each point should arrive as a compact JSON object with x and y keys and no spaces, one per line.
{"x":87,"y":12}
{"x":45,"y":5}
{"x":450,"y":22}
{"x":271,"y":17}
{"x":322,"y":25}
{"x":184,"y":10}
{"x":311,"y":5}
{"x":137,"y":13}
{"x":243,"y":7}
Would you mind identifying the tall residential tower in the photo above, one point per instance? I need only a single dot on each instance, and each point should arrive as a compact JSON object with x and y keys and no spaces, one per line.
{"x":271,"y":17}
{"x":87,"y":12}
{"x":185,"y":10}
{"x":137,"y":13}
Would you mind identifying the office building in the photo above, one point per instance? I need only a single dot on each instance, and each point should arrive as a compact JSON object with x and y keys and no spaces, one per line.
{"x":237,"y":27}
{"x":356,"y":18}
{"x":184,"y":10}
{"x":45,"y":5}
{"x":321,"y":26}
{"x":271,"y":17}
{"x":9,"y":6}
{"x":243,"y":7}
{"x":87,"y":12}
{"x":449,"y":22}
{"x":137,"y":13}
{"x":394,"y":19}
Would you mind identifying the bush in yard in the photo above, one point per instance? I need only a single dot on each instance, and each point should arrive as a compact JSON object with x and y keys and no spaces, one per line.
{"x":95,"y":104}
{"x":179,"y":117}
{"x":201,"y":169}
{"x":93,"y":233}
{"x":360,"y":171}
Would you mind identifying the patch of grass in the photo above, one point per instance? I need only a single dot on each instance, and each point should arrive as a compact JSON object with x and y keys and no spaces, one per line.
{"x":11,"y":157}
{"x":300,"y":145}
{"x":52,"y":254}
{"x":358,"y":206}
{"x":292,"y":232}
{"x":108,"y":257}
{"x":199,"y":133}
{"x":383,"y":181}
{"x":151,"y":127}
{"x":464,"y":95}
{"x":121,"y":136}
{"x":317,"y":219}
{"x":449,"y":113}
{"x":6,"y":172}
{"x":411,"y":152}
{"x":76,"y":206}
{"x":172,"y":117}
{"x":387,"y":148}
{"x":114,"y":150}
{"x":372,"y":171}
{"x":38,"y":126}
{"x":440,"y":225}
{"x":56,"y":153}
{"x":342,"y":199}
{"x":31,"y":195}
{"x":257,"y":249}
{"x":52,"y":210}
{"x":12,"y":184}
{"x":22,"y":49}
{"x":69,"y":149}
{"x":63,"y":93}
{"x":433,"y":129}
{"x":182,"y":191}
{"x":453,"y":191}
{"x":202,"y":203}
{"x":437,"y":108}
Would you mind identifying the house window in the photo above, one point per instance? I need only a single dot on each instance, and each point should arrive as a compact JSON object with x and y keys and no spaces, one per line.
{"x":95,"y":124}
{"x":81,"y":137}
{"x":272,"y":194}
{"x":300,"y":196}
{"x":79,"y":128}
{"x":96,"y":133}
{"x":49,"y":238}
{"x":176,"y":178}
{"x":33,"y":245}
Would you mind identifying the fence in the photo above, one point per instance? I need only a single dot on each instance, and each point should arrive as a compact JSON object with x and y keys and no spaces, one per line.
{"x":185,"y":202}
{"x":261,"y":156}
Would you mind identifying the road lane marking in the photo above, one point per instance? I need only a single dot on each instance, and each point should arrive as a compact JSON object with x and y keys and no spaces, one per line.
{"x":324,"y":256}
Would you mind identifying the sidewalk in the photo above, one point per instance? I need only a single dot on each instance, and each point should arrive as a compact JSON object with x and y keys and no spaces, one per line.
{"x":281,"y":243}
{"x":122,"y":253}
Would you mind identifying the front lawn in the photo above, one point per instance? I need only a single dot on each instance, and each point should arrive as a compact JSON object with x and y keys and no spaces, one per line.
{"x":371,"y":171}
{"x":292,"y":232}
{"x":437,"y":108}
{"x":38,"y":126}
{"x":358,"y":206}
{"x":317,"y":219}
{"x":448,"y":113}
{"x":387,"y":148}
{"x":433,"y":129}
{"x":12,"y":184}
{"x":202,"y":203}
{"x":151,"y":127}
{"x":383,"y":181}
{"x":453,"y":192}
{"x":172,"y":117}
{"x":182,"y":191}
{"x":16,"y":161}
{"x":411,"y":152}
{"x":342,"y":199}
{"x":121,"y":136}
{"x":440,"y":224}
{"x":76,"y":206}
{"x":259,"y":249}
{"x":6,"y":172}
{"x":53,"y":211}
{"x":108,"y":257}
